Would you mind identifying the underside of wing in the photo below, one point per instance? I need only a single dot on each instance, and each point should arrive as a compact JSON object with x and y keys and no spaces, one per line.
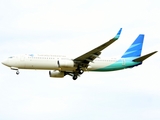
{"x":84,"y":59}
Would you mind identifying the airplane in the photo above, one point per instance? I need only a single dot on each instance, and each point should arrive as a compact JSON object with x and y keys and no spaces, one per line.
{"x":60,"y":66}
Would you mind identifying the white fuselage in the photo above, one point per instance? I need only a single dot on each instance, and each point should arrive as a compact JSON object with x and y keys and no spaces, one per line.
{"x":50,"y":62}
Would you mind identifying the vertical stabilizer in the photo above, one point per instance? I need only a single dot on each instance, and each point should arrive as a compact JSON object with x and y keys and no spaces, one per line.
{"x":136,"y":48}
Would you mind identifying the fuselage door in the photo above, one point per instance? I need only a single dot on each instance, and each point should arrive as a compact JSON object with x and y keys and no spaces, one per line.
{"x":22,"y":61}
{"x":123,"y":62}
{"x":22,"y":58}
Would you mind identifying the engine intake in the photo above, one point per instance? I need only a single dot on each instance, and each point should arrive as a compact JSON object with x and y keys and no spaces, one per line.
{"x":57,"y":74}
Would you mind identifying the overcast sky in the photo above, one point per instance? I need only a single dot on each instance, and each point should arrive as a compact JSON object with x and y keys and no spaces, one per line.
{"x":72,"y":27}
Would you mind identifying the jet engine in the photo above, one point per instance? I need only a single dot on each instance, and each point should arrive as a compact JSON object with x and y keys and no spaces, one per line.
{"x":58,"y":74}
{"x":65,"y":63}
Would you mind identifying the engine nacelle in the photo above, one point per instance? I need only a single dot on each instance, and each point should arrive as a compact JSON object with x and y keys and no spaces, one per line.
{"x":57,"y":74}
{"x":65,"y":63}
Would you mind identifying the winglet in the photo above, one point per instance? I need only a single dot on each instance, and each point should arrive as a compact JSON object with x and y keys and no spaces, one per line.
{"x":118,"y":34}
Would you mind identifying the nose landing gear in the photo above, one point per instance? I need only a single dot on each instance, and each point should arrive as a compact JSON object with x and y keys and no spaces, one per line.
{"x":17,"y":72}
{"x":15,"y":68}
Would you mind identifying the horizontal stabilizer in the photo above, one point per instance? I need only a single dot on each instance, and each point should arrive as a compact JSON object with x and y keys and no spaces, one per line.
{"x":142,"y":58}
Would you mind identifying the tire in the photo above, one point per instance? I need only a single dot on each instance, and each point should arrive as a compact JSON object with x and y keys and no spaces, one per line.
{"x":81,"y":71}
{"x":17,"y":72}
{"x":74,"y":77}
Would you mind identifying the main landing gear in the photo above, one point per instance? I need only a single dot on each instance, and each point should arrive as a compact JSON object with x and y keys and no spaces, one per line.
{"x":75,"y":77}
{"x":80,"y":71}
{"x":77,"y":73}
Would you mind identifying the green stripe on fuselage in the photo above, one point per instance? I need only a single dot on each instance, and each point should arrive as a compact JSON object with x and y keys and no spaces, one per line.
{"x":120,"y":64}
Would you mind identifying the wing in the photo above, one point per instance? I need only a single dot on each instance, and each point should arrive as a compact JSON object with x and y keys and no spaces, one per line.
{"x":84,"y":59}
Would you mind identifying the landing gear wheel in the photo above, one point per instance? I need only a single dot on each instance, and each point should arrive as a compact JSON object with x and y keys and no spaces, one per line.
{"x":17,"y":72}
{"x":74,"y":77}
{"x":80,"y":71}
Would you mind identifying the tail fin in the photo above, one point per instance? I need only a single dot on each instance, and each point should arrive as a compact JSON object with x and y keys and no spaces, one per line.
{"x":136,"y":47}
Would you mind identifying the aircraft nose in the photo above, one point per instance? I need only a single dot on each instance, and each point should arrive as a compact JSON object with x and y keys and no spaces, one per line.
{"x":5,"y":62}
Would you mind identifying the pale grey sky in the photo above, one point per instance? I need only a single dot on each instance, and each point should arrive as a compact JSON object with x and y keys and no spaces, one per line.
{"x":71,"y":28}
